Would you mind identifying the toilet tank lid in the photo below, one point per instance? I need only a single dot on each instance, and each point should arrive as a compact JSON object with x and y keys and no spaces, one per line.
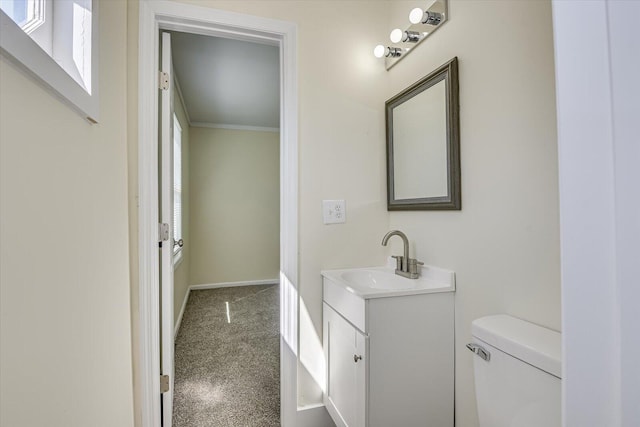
{"x":533,"y":344}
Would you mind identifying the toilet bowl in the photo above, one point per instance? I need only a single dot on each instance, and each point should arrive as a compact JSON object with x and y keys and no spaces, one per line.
{"x":517,"y":371}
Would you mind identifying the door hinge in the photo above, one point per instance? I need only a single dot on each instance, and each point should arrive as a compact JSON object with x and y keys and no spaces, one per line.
{"x":163,"y":232}
{"x":164,"y":383}
{"x":164,"y":81}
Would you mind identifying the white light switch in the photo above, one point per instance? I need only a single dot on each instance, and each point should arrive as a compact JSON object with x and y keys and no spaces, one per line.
{"x":334,"y":211}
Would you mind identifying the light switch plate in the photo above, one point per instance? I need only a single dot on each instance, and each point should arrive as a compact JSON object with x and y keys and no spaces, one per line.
{"x":334,"y":211}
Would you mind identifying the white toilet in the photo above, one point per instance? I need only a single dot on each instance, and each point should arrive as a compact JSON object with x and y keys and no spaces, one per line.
{"x":517,"y":369}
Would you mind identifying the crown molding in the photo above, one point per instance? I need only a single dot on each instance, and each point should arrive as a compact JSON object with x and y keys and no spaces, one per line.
{"x":233,"y":127}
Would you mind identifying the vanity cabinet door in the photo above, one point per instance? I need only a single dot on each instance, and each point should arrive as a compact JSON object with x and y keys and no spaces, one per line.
{"x":345,"y":350}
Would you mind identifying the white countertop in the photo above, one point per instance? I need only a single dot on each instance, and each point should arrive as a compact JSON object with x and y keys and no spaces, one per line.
{"x":381,"y":282}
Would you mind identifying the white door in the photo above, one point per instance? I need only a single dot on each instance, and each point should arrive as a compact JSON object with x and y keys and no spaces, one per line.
{"x":166,"y":216}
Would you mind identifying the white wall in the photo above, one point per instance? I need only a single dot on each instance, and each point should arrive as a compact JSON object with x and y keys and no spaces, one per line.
{"x":65,"y":331}
{"x":504,"y":243}
{"x":235,"y":209}
{"x":181,"y":272}
{"x":598,"y":110}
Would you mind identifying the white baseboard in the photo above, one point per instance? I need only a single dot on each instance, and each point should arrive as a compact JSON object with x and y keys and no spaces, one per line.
{"x":231,"y":284}
{"x":179,"y":319}
{"x":214,"y":286}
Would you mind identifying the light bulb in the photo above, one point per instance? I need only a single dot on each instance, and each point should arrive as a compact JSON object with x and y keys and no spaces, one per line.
{"x":396,"y":35}
{"x":415,"y":16}
{"x":379,"y":51}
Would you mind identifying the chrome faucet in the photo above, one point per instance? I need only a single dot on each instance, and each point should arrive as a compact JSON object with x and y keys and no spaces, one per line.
{"x":405,"y":266}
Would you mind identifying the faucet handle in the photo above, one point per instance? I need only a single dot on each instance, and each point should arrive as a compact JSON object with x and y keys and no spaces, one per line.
{"x":413,"y":265}
{"x":399,"y":261}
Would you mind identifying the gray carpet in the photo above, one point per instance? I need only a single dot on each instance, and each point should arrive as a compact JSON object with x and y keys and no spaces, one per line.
{"x":228,"y":368}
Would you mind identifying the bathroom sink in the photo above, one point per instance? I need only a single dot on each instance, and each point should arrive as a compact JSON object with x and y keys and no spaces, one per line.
{"x":378,"y":282}
{"x":377,"y":279}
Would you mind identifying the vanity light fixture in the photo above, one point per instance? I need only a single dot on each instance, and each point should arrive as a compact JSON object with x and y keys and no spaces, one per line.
{"x":420,"y":16}
{"x":424,"y":21}
{"x":407,"y":36}
{"x":387,"y":51}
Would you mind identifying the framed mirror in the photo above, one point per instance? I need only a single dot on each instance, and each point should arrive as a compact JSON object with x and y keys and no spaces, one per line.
{"x":423,"y":144}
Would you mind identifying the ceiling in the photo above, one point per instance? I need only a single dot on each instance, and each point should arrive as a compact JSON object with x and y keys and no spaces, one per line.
{"x":227,"y":82}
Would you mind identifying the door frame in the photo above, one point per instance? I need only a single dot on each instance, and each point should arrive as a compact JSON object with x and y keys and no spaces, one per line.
{"x":598,"y":157}
{"x":167,"y":15}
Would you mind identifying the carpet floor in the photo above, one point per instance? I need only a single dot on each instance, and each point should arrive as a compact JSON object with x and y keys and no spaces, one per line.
{"x":227,"y":359}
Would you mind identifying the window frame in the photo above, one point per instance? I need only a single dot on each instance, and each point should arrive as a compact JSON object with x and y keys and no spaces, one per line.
{"x":41,"y":29}
{"x":38,"y":18}
{"x":17,"y":46}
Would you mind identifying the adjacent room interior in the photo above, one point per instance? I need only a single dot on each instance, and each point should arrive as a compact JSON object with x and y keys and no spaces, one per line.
{"x":226,"y":198}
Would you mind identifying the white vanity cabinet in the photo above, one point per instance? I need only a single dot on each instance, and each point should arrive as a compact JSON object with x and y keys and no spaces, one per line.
{"x":390,"y":358}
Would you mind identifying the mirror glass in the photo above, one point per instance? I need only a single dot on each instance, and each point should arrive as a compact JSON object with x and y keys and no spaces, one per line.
{"x":422,"y":144}
{"x":420,"y":169}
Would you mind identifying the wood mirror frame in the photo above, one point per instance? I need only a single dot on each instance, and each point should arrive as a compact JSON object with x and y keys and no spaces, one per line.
{"x":448,"y":73}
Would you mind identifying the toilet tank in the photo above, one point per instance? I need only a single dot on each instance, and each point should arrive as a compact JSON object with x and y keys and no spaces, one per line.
{"x":519,"y":384}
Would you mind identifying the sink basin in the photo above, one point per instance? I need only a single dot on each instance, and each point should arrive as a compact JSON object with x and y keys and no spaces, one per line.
{"x":377,"y":279}
{"x":379,"y":282}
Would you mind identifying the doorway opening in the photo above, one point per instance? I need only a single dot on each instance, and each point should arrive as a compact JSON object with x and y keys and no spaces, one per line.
{"x":156,"y":17}
{"x":224,"y":111}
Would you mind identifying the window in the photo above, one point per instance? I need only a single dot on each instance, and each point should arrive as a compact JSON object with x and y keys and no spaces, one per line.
{"x":28,"y":14}
{"x":55,"y":40}
{"x":177,"y":188}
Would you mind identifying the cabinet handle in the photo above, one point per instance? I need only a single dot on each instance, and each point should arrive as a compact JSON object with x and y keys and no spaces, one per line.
{"x":356,"y":358}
